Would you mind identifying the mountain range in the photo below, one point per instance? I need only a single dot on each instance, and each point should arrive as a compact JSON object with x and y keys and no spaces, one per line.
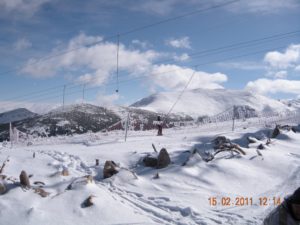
{"x":193,"y":105}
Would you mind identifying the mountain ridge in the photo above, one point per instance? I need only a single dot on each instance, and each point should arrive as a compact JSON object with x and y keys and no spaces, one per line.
{"x":206,"y":102}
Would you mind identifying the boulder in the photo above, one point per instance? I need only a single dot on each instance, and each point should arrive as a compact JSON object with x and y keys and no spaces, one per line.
{"x":41,"y":192}
{"x":110,"y":169}
{"x":220,"y":142}
{"x":3,"y":187}
{"x":24,"y":180}
{"x":65,"y":172}
{"x":163,"y":159}
{"x":88,"y":202}
{"x":89,"y":179}
{"x":150,"y":161}
{"x":261,"y":147}
{"x":276,"y":132}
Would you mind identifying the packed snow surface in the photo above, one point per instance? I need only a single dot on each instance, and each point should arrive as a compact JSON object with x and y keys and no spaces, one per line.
{"x":133,"y":196}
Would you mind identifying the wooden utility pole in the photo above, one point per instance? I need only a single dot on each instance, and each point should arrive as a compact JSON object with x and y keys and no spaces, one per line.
{"x":233,"y":118}
{"x":118,"y":47}
{"x":83,"y":90}
{"x":11,"y":135}
{"x":126,"y":126}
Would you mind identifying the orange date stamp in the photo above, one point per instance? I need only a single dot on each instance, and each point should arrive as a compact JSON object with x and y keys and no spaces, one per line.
{"x":244,"y":201}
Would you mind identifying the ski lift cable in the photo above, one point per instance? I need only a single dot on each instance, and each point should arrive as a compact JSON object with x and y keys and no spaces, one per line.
{"x":134,"y":30}
{"x":193,"y":55}
{"x":181,"y":93}
{"x":165,"y":72}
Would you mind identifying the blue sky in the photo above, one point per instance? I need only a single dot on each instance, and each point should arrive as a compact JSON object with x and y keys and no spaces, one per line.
{"x":36,"y":34}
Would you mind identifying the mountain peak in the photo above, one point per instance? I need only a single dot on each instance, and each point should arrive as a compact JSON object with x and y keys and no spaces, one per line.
{"x":15,"y":115}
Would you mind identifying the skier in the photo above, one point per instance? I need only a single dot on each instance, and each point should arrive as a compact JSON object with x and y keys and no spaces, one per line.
{"x":288,"y":213}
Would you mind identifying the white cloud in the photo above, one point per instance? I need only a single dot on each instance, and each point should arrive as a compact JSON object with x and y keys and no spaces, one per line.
{"x":263,"y":6}
{"x":142,"y":44}
{"x":22,"y":44}
{"x":107,"y":100}
{"x":244,"y":65}
{"x":97,"y":61}
{"x":289,"y":58}
{"x":176,"y":77}
{"x":183,"y":42}
{"x":266,"y":86}
{"x":160,"y":7}
{"x":280,"y":64}
{"x":26,"y":7}
{"x":163,"y":7}
{"x":281,"y":74}
{"x":181,"y":58}
{"x":297,"y":68}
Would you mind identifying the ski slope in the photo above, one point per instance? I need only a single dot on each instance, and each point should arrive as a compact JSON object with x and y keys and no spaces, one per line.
{"x":180,"y":195}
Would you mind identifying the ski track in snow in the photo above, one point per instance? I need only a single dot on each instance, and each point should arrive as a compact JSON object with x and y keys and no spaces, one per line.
{"x":159,"y":208}
{"x":155,"y":207}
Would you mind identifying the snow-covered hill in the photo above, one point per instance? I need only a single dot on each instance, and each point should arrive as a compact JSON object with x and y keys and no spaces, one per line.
{"x":81,"y":118}
{"x":203,"y":102}
{"x":16,"y":115}
{"x":294,"y":103}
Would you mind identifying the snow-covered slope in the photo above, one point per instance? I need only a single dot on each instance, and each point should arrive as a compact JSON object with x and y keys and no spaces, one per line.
{"x":203,"y":102}
{"x":135,"y":196}
{"x":294,"y":103}
{"x":16,"y":115}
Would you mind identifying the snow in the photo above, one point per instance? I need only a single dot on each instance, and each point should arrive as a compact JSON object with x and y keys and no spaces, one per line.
{"x":62,"y":123}
{"x":204,"y":102}
{"x":180,"y":194}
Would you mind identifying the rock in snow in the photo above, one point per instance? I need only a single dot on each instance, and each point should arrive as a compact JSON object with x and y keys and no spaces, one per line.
{"x":24,"y":180}
{"x":150,"y":161}
{"x":110,"y":169}
{"x":3,"y":187}
{"x":163,"y":159}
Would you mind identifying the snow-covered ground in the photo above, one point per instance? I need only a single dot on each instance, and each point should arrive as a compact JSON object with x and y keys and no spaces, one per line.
{"x":179,"y":196}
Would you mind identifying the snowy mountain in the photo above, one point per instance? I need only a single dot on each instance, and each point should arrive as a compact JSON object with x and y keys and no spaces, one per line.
{"x":204,"y":102}
{"x":82,"y":118}
{"x":16,"y":115}
{"x":68,"y":120}
{"x":294,"y":103}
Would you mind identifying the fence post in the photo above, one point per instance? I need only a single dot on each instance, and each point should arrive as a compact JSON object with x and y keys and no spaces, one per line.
{"x":126,"y":126}
{"x":233,"y":117}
